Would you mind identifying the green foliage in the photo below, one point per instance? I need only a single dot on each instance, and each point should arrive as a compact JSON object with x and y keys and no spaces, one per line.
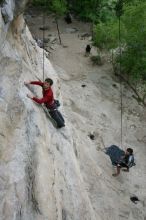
{"x":134,"y":58}
{"x":87,"y":9}
{"x":58,"y":6}
{"x":133,"y":39}
{"x":43,"y":3}
{"x":119,"y":8}
{"x":107,"y":10}
{"x":106,"y":34}
{"x":94,"y":10}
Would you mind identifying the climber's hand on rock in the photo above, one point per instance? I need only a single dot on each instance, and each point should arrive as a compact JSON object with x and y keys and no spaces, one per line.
{"x":26,"y":83}
{"x":29,"y":96}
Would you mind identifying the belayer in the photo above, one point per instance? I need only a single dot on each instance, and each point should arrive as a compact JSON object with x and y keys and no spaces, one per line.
{"x":87,"y":50}
{"x":126,"y":161}
{"x":48,"y":100}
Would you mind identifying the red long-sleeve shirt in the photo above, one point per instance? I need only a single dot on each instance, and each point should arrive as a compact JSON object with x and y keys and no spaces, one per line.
{"x":48,"y":98}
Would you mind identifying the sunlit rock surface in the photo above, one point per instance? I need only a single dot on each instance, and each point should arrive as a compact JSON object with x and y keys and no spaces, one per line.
{"x":49,"y":174}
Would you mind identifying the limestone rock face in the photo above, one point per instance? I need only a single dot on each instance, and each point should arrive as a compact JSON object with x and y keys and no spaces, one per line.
{"x":39,"y":175}
{"x":12,"y":8}
{"x":50,"y":174}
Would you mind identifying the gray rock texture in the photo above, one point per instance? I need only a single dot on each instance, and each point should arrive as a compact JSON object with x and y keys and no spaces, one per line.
{"x":50,"y":174}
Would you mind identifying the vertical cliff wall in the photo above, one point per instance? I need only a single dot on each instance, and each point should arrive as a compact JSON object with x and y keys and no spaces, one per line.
{"x":39,"y":175}
{"x":50,"y":174}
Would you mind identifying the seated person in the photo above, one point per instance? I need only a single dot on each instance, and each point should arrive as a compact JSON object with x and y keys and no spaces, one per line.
{"x":126,"y":161}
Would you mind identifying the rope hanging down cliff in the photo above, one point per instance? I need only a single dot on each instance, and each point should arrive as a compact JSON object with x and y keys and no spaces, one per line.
{"x":44,"y":44}
{"x":119,"y":12}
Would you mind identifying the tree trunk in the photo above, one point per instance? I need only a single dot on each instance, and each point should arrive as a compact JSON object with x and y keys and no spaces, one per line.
{"x":58,"y":30}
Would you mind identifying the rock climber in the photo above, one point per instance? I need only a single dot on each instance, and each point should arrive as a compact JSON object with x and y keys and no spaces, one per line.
{"x":126,"y":161}
{"x":48,"y":97}
{"x":48,"y":100}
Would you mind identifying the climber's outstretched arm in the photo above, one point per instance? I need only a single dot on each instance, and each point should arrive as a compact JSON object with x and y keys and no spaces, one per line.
{"x":34,"y":83}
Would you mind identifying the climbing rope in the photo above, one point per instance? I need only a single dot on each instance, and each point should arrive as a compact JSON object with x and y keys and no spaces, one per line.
{"x":44,"y":21}
{"x":119,"y":12}
{"x":121,"y":87}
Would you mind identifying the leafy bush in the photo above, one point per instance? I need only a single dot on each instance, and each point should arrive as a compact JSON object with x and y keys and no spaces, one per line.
{"x":133,"y":35}
{"x":134,"y":58}
{"x":107,"y":10}
{"x":58,"y":6}
{"x":106,"y":34}
{"x":87,"y":10}
{"x":94,"y":10}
